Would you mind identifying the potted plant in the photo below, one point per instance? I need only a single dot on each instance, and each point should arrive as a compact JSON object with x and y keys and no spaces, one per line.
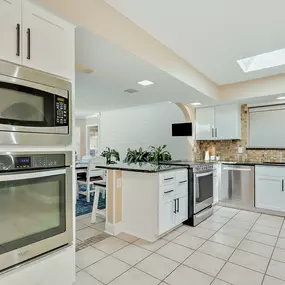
{"x":218,"y":156}
{"x":159,"y":154}
{"x":136,"y":156}
{"x":111,"y":155}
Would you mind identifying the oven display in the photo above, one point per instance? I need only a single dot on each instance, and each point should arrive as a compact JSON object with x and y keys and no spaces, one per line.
{"x":22,"y":162}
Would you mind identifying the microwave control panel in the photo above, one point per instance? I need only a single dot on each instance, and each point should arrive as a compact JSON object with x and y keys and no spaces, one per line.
{"x":61,"y":111}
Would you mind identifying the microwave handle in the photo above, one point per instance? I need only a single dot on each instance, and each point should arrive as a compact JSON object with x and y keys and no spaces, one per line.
{"x":31,"y":175}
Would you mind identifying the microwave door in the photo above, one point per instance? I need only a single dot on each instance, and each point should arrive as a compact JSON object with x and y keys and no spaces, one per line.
{"x":30,"y":107}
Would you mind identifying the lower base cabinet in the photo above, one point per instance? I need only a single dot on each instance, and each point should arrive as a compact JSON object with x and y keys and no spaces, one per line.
{"x":270,"y":188}
{"x":173,"y":200}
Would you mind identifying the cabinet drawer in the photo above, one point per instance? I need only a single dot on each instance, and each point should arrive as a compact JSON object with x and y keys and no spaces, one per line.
{"x":167,"y":192}
{"x":167,"y":178}
{"x":272,"y":171}
{"x":181,"y":176}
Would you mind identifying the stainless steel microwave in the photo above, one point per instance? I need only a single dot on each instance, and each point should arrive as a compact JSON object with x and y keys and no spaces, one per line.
{"x":35,"y":107}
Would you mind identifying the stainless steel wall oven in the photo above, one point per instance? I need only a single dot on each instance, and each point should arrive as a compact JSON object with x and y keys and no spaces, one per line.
{"x":35,"y":107}
{"x":35,"y":205}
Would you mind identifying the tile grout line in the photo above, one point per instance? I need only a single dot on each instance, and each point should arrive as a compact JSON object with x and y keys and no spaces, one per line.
{"x":234,"y":250}
{"x":272,"y":255}
{"x":195,"y":250}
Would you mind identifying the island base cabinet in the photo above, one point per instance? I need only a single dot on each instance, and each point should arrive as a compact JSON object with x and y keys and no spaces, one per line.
{"x":166,"y":217}
{"x":181,"y":214}
{"x":152,"y":203}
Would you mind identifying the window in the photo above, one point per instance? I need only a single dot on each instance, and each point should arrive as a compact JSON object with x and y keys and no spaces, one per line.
{"x":266,"y":128}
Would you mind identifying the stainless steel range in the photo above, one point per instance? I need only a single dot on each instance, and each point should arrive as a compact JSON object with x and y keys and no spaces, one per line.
{"x":35,"y":205}
{"x":200,"y":190}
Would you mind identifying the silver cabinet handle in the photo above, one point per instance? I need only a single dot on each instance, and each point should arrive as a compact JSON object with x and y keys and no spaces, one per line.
{"x":282,"y":184}
{"x":213,"y":132}
{"x":170,"y":178}
{"x":175,"y":206}
{"x":216,"y":132}
{"x":184,"y":181}
{"x":166,"y":192}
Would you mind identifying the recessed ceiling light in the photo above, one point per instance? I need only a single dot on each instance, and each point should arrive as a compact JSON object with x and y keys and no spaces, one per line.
{"x":196,"y":104}
{"x":262,"y":61}
{"x":145,"y":82}
{"x":281,"y":98}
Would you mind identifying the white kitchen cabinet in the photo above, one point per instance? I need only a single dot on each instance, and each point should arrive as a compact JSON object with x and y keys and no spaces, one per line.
{"x":218,"y":123}
{"x":181,"y":214}
{"x":166,"y":217}
{"x":205,"y":122}
{"x":35,"y":38}
{"x":228,"y":122}
{"x":10,"y":17}
{"x":46,"y":41}
{"x":270,"y":188}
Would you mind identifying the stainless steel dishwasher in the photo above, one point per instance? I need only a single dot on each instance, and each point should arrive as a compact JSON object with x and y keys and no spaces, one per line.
{"x":237,"y":185}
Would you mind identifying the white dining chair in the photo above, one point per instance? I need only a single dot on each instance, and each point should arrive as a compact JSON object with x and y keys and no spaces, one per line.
{"x":93,"y":176}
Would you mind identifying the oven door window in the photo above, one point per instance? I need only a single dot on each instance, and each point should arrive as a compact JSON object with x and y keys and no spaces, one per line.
{"x":204,"y":187}
{"x":31,"y":210}
{"x":25,"y":106}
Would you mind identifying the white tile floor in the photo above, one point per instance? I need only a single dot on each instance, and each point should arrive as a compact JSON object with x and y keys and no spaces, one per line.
{"x":231,"y":247}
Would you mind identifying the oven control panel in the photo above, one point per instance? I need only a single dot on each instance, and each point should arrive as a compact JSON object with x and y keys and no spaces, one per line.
{"x":10,"y":162}
{"x":61,"y":111}
{"x":22,"y":162}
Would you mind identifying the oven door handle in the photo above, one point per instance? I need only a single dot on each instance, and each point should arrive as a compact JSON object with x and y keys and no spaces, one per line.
{"x":204,"y":174}
{"x":31,"y":175}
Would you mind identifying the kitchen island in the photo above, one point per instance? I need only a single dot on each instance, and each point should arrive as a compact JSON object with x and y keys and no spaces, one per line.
{"x":145,"y":200}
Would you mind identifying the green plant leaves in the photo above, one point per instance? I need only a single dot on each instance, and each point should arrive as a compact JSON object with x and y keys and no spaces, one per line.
{"x":109,"y":154}
{"x":152,"y":155}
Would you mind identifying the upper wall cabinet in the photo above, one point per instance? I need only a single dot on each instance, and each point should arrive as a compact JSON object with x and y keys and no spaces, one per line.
{"x":36,"y":38}
{"x":46,"y":41}
{"x":218,"y":123}
{"x":10,"y":30}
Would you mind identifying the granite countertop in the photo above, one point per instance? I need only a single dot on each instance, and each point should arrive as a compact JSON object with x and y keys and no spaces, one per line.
{"x":247,"y":162}
{"x":140,"y":167}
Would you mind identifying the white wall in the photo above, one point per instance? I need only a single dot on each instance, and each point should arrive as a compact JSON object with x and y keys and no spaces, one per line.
{"x":143,"y":126}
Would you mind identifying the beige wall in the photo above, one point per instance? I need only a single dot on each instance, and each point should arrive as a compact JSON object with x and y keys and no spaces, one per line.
{"x":229,"y":149}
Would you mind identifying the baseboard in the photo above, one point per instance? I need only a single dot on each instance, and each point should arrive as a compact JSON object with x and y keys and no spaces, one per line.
{"x":113,"y":229}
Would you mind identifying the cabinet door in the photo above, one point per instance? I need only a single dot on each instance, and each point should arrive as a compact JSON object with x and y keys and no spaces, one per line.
{"x":269,"y":193}
{"x":48,"y":41}
{"x":10,"y":16}
{"x":228,"y":122}
{"x":181,"y":209}
{"x":166,"y":216}
{"x":205,"y":123}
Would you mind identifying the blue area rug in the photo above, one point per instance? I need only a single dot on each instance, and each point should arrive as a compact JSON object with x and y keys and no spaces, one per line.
{"x":83,"y":208}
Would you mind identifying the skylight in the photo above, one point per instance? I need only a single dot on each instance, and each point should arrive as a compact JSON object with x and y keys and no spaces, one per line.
{"x":262,"y":61}
{"x":145,"y":82}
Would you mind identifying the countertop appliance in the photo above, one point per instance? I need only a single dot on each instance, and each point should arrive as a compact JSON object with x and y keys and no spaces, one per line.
{"x":200,"y":195}
{"x":237,"y":185}
{"x":35,"y":107}
{"x":35,"y":205}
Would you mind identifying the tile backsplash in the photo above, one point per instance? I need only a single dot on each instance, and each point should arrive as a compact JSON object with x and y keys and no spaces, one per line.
{"x":229,"y":148}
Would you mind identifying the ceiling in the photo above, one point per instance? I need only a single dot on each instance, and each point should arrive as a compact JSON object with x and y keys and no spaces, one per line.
{"x":212,"y":35}
{"x":116,"y":70}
